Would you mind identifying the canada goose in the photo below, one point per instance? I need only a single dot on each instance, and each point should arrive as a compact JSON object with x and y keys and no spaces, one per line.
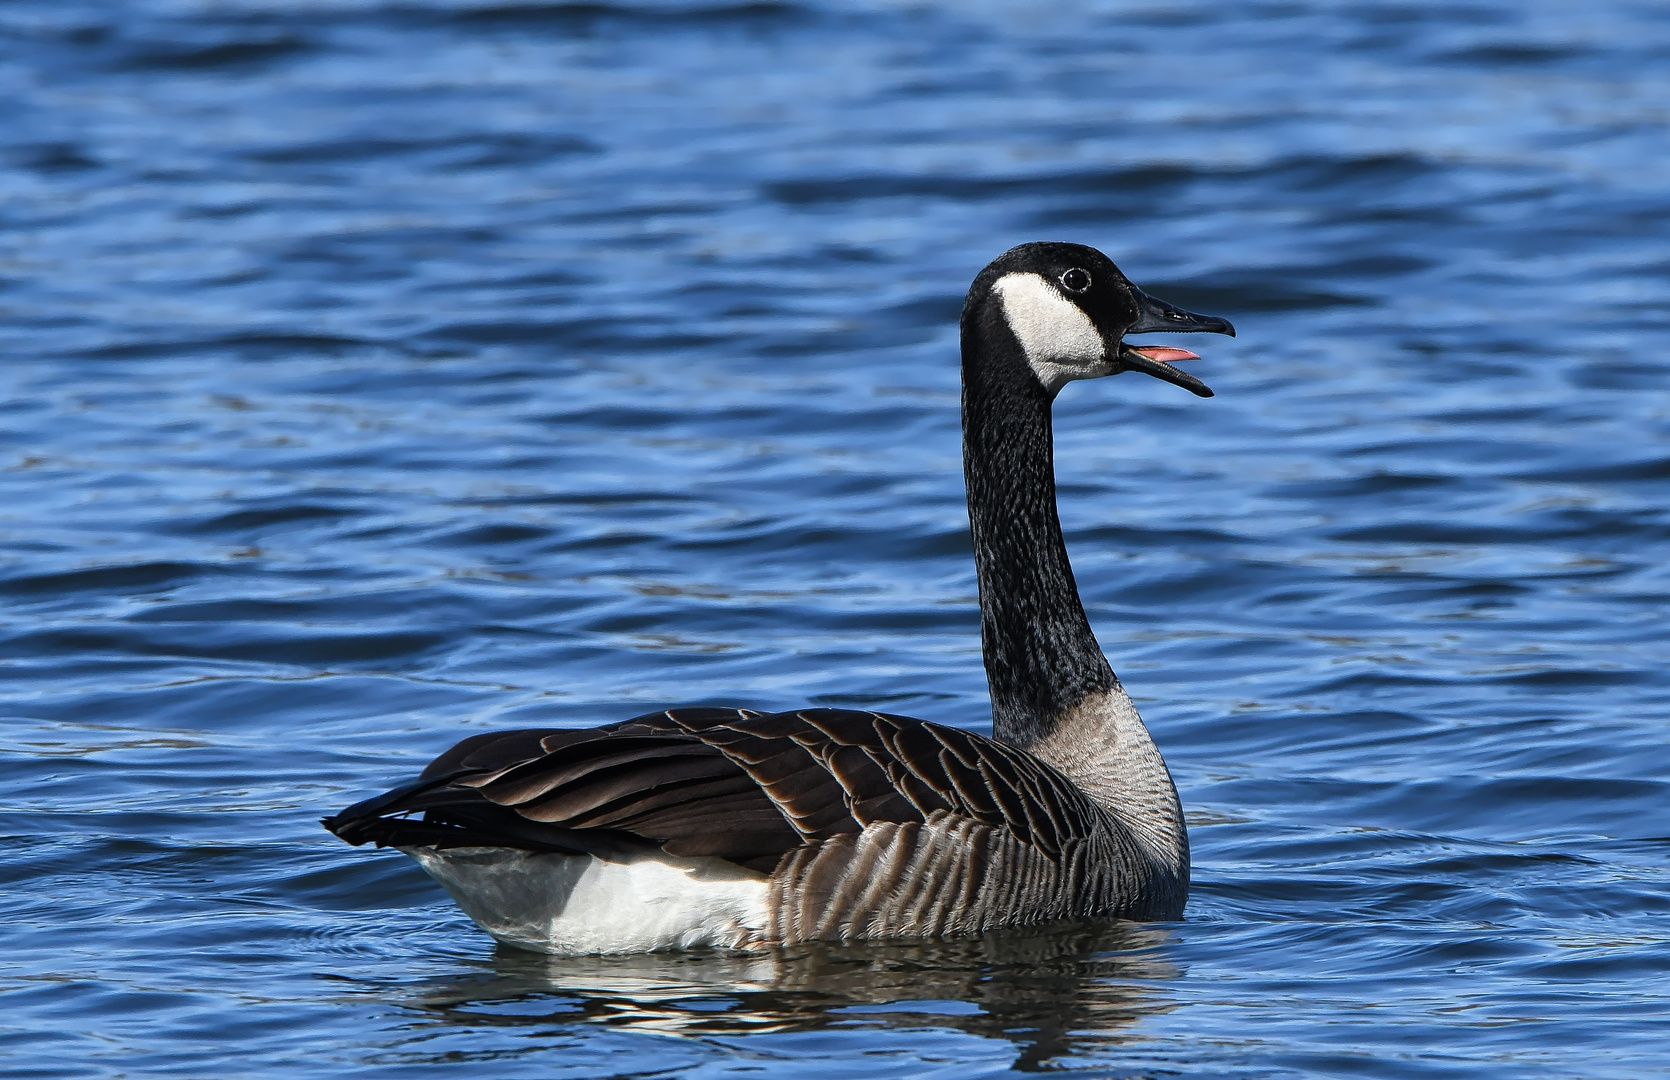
{"x":744,"y":829}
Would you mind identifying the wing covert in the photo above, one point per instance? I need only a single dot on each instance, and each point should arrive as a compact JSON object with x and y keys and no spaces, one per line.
{"x":731,"y":783}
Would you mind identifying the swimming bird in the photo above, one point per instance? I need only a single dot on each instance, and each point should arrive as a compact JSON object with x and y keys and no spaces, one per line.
{"x":745,"y":829}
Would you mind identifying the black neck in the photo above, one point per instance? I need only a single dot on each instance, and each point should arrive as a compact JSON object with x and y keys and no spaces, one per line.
{"x":1041,"y":656}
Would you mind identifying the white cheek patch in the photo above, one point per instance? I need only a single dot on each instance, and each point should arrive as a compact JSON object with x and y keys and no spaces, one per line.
{"x":1060,"y":341}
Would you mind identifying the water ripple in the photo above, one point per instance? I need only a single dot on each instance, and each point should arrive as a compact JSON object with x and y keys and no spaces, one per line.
{"x":381,"y":372}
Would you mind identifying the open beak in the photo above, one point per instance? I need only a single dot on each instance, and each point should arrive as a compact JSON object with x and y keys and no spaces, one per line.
{"x":1156,"y":315}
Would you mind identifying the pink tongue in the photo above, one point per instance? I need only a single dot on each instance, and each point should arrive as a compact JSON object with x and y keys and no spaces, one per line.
{"x":1163,"y":354}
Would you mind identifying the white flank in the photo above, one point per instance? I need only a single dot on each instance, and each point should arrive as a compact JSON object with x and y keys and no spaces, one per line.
{"x":577,"y":904}
{"x":1060,"y":341}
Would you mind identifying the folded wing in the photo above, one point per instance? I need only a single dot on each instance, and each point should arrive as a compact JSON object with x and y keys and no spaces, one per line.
{"x":735,"y":784}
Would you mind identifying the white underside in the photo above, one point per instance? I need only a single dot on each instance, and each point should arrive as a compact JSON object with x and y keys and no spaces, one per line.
{"x":577,"y":904}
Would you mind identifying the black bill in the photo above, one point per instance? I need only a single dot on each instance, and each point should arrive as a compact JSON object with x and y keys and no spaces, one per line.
{"x":1155,"y":315}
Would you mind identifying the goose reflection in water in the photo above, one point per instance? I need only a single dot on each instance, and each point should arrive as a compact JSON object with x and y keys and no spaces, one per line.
{"x":1061,"y":992}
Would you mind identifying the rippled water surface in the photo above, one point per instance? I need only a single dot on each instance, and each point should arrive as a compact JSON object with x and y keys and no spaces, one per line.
{"x":378,"y":373}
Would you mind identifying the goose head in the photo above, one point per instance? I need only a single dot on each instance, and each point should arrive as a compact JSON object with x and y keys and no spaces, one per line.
{"x":1064,"y":310}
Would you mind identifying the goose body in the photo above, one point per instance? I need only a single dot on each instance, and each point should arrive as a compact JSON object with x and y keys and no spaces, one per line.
{"x":744,"y":829}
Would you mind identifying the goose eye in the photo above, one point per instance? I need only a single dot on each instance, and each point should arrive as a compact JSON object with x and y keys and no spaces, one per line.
{"x":1075,"y":280}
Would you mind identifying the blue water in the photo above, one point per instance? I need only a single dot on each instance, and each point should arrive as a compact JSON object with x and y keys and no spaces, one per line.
{"x":378,"y":373}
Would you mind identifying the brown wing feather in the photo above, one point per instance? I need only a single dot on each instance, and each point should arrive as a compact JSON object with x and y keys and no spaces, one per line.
{"x":836,"y":771}
{"x":732,"y":783}
{"x":649,"y":779}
